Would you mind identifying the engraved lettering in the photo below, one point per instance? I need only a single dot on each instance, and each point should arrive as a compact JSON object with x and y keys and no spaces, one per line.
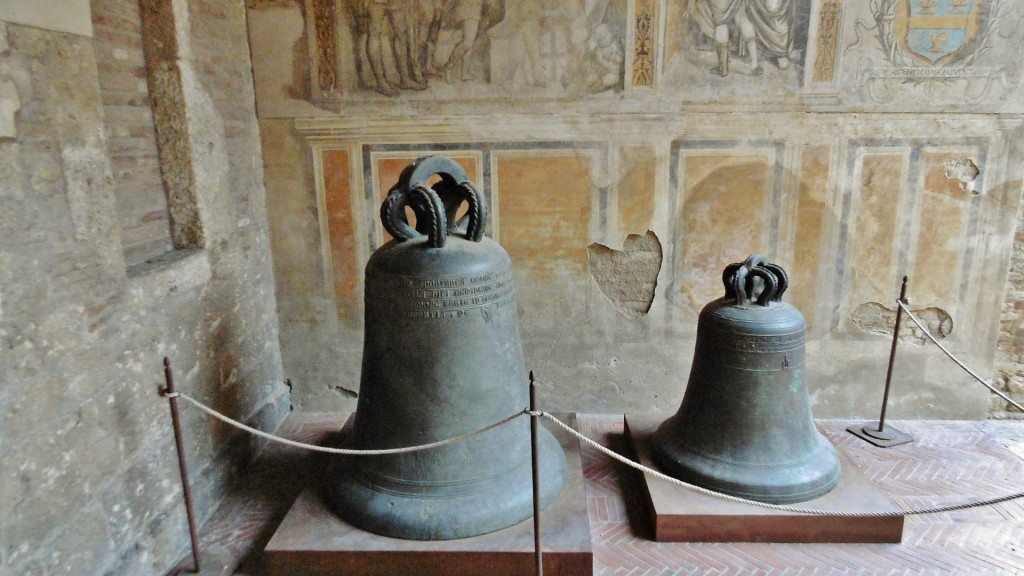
{"x":438,"y":298}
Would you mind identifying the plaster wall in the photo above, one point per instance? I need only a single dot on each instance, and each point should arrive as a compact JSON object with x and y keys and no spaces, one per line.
{"x":859,"y":153}
{"x":60,"y":15}
{"x":89,"y":482}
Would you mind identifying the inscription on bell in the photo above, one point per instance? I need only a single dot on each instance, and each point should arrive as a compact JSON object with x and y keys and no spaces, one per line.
{"x":437,"y":298}
{"x":732,"y":340}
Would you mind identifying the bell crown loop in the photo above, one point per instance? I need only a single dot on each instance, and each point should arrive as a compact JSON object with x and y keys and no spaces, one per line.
{"x":435,"y":206}
{"x":741,"y":287}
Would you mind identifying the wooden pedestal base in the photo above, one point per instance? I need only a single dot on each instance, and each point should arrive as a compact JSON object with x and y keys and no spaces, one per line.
{"x":682,"y":515}
{"x":312,"y":540}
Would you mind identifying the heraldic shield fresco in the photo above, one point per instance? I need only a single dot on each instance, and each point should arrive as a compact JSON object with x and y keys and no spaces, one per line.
{"x":944,"y":51}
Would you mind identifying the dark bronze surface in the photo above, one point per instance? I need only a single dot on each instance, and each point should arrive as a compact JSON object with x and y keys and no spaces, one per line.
{"x":442,"y":357}
{"x":745,"y":426}
{"x":313,"y":540}
{"x":676,"y":514}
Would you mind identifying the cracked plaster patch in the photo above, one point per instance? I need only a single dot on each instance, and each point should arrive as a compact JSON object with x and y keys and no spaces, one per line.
{"x":966,"y":172}
{"x":877,"y":319}
{"x":628,"y":277}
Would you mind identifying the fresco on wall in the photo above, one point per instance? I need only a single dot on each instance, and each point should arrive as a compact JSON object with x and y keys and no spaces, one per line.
{"x":395,"y":42}
{"x":740,"y":40}
{"x":950,"y":49}
{"x":586,"y":122}
{"x":316,"y":57}
{"x":367,"y":50}
{"x":852,"y":217}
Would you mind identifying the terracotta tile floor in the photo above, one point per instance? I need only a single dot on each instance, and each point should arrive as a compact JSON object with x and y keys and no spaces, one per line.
{"x":949,"y":462}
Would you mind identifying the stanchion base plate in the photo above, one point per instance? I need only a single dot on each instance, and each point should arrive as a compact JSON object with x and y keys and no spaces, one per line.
{"x":312,"y":540}
{"x":887,"y":437}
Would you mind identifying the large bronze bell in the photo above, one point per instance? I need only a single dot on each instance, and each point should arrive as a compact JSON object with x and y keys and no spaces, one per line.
{"x":441,"y":358}
{"x":745,"y":426}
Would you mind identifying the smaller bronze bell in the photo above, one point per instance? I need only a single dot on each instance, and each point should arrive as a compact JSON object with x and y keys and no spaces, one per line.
{"x":745,"y":427}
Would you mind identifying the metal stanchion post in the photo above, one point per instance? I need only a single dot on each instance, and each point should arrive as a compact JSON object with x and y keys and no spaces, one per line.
{"x":537,"y":550}
{"x":882,"y":435}
{"x":180,"y":445}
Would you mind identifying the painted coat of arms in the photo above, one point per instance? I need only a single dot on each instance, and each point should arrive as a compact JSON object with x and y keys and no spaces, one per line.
{"x":936,"y":32}
{"x":938,"y":43}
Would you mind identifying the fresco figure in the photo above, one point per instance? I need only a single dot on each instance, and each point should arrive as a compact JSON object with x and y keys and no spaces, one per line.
{"x":715,"y":17}
{"x":761,"y":24}
{"x":429,"y":15}
{"x":773,"y":20}
{"x":386,"y":22}
{"x":602,"y":65}
{"x":473,"y":19}
{"x":531,"y":25}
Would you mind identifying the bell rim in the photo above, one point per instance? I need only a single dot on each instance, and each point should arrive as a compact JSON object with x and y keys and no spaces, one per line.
{"x":355,"y":501}
{"x":674,"y":462}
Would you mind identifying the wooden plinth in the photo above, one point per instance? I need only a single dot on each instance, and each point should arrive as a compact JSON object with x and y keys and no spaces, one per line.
{"x":313,"y":541}
{"x":678,"y":514}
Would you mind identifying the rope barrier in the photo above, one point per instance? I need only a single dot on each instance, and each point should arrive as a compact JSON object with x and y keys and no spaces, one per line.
{"x":342,"y":451}
{"x":604,"y":450}
{"x":784,"y":508}
{"x":955,"y":359}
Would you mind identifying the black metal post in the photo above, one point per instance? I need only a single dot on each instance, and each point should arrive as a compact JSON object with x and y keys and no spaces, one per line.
{"x":883,"y":436}
{"x":892,"y":353}
{"x":180,"y":445}
{"x":537,"y":550}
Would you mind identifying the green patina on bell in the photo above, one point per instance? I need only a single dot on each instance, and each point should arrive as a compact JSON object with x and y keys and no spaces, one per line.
{"x":442,"y":357}
{"x":745,"y":426}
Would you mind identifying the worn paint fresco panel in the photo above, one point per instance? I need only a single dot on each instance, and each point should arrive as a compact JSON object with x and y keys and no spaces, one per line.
{"x":341,"y":226}
{"x":932,"y":55}
{"x":842,"y":203}
{"x":829,"y":18}
{"x":462,"y":49}
{"x":736,"y":49}
{"x":329,"y":56}
{"x":324,"y":17}
{"x":645,"y":35}
{"x":813,"y":222}
{"x":945,"y":206}
{"x":874,"y":226}
{"x":636,"y":193}
{"x":545,"y":205}
{"x":724,"y":213}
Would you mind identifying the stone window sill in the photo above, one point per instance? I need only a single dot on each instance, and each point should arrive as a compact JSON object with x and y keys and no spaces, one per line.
{"x":170,"y":272}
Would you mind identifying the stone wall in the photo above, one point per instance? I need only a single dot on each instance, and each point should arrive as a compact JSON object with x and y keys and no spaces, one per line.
{"x":1010,"y":348}
{"x":89,"y":482}
{"x":630,"y":150}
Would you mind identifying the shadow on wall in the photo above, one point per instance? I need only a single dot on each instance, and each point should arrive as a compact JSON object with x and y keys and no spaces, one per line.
{"x":225,"y":374}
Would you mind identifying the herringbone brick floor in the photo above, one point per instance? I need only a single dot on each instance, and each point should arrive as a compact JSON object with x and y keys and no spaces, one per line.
{"x":948,"y":463}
